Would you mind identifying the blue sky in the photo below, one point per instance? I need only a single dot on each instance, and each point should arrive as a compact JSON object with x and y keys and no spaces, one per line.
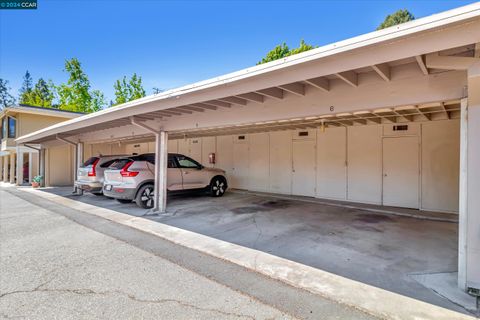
{"x":175,"y":43}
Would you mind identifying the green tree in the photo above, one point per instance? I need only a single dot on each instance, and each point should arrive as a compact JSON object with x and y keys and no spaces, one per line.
{"x":301,"y":48}
{"x":6,"y":99}
{"x":128,"y":90}
{"x":282,"y":51}
{"x":41,"y":95}
{"x":76,"y":94}
{"x":26,"y":89}
{"x":401,"y":16}
{"x":136,"y":88}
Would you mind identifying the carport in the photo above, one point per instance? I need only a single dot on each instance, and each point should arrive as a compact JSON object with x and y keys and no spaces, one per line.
{"x":380,"y":118}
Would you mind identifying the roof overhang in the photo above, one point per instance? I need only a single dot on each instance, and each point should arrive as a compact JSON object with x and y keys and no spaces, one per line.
{"x":452,"y":33}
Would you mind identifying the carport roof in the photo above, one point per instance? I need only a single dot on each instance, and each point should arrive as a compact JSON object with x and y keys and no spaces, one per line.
{"x":273,"y":79}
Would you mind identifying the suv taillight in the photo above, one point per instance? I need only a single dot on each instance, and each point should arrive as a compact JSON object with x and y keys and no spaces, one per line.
{"x":92,"y":172}
{"x":125,"y":173}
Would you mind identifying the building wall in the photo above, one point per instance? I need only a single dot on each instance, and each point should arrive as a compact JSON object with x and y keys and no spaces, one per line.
{"x":58,"y":169}
{"x":27,"y":123}
{"x":341,"y":163}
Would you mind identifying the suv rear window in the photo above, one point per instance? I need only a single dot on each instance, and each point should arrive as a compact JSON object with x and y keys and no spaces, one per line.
{"x":108,"y":163}
{"x":119,"y":164}
{"x":90,"y":162}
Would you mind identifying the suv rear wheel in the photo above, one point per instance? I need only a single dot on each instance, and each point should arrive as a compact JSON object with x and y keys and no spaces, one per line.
{"x":218,"y":186}
{"x":144,"y":198}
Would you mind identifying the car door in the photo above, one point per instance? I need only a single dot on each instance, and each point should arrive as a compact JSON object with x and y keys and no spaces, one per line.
{"x":174,"y":175}
{"x":192,"y":173}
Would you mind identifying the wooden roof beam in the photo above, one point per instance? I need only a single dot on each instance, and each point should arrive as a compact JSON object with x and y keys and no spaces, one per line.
{"x":350,"y":77}
{"x":274,"y":92}
{"x":295,"y":88}
{"x":321,"y":83}
{"x":234,"y":100}
{"x":251,"y":96}
{"x":203,"y":106}
{"x":421,"y":64}
{"x":383,"y":70}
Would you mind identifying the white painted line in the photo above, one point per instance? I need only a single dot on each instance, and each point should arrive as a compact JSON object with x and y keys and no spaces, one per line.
{"x":352,"y":293}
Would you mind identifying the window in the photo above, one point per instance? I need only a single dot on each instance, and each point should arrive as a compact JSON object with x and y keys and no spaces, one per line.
{"x":186,"y":162}
{"x":12,"y":127}
{"x":107,"y":164}
{"x":89,"y":162}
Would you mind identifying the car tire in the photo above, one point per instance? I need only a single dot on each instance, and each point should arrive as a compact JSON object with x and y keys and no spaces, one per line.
{"x":218,"y":186}
{"x":144,"y":198}
{"x":124,"y":200}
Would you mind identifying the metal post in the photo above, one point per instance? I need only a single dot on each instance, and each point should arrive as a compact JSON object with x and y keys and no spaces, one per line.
{"x":161,"y":160}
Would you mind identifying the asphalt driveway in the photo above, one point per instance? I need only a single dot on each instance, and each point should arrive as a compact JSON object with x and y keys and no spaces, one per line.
{"x":383,"y":250}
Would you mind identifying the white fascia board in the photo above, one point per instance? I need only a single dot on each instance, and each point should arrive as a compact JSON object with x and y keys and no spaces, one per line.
{"x":435,"y":21}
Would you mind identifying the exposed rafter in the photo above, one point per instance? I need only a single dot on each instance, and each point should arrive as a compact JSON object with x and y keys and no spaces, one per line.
{"x":295,"y":88}
{"x":421,"y":64}
{"x":204,"y":106}
{"x":321,"y":83}
{"x":275,"y":93}
{"x":427,"y":116}
{"x":349,"y":77}
{"x":217,"y":103}
{"x":434,"y":60}
{"x":252,"y":96}
{"x":192,"y":108}
{"x":383,"y":70}
{"x":234,"y":100}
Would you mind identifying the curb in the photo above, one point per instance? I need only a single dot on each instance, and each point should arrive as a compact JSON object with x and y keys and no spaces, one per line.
{"x":370,"y":299}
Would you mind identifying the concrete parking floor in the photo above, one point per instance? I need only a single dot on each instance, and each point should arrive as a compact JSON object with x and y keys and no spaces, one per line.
{"x":379,"y":249}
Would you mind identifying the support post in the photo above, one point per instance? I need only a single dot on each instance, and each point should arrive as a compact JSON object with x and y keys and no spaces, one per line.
{"x":30,"y":166}
{"x":161,"y":160}
{"x":19,"y":166}
{"x":78,"y":163}
{"x":1,"y":168}
{"x":462,"y":207}
{"x":12,"y":168}
{"x":5,"y":168}
{"x":41,"y":166}
{"x":469,"y":219}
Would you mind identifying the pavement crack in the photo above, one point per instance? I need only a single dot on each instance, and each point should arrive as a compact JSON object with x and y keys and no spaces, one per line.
{"x":129,"y":296}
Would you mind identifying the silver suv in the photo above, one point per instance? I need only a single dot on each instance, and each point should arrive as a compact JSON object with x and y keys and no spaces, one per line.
{"x":132,"y":178}
{"x":90,"y":173}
